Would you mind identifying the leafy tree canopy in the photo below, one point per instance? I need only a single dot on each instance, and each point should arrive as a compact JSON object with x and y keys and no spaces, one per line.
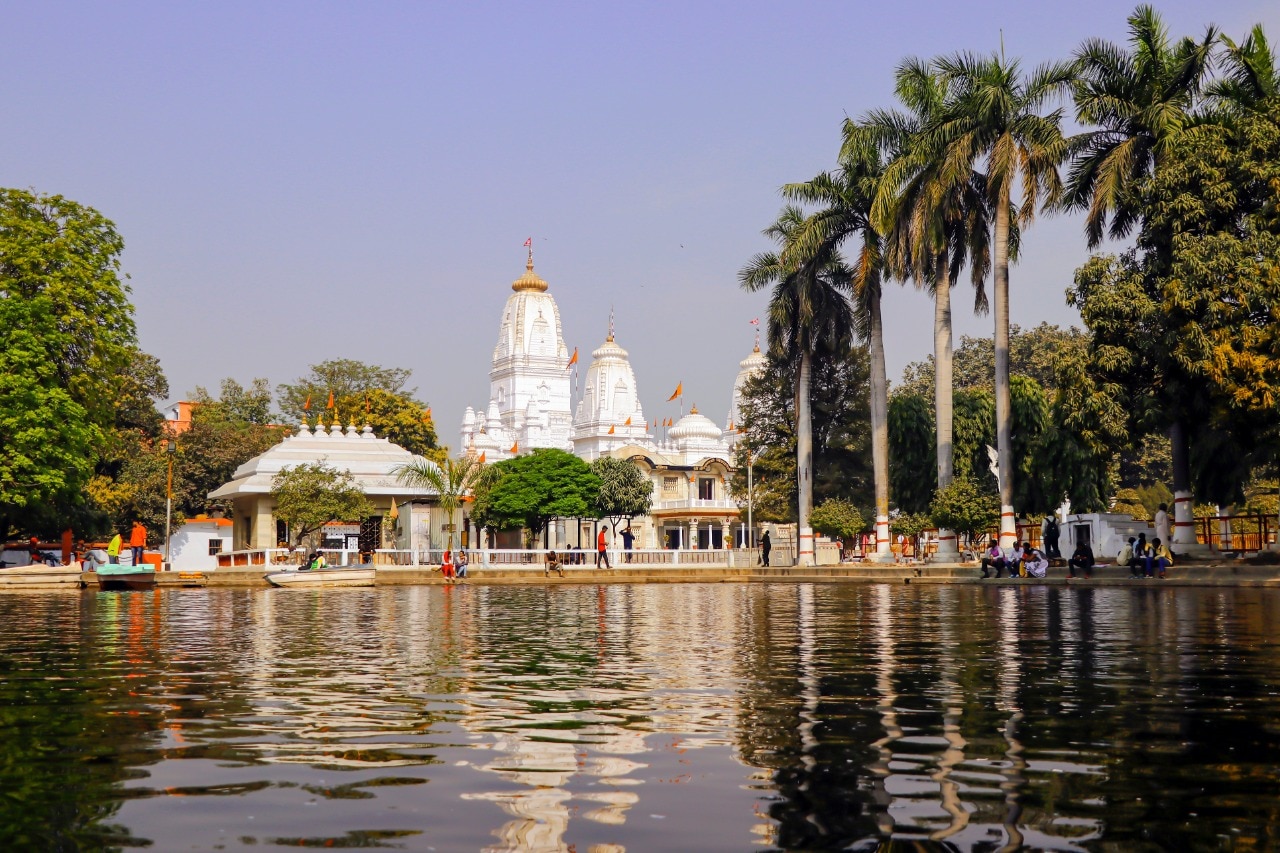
{"x":625,"y":492}
{"x":309,"y":495}
{"x":1035,"y":353}
{"x":531,"y":489}
{"x":834,"y":517}
{"x":840,"y":393}
{"x":965,"y":507}
{"x":67,"y":341}
{"x":364,"y":394}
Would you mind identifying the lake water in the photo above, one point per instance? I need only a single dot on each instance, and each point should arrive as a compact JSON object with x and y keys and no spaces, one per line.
{"x":597,"y":719}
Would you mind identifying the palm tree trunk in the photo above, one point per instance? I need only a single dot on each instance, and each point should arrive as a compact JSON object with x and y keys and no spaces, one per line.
{"x":804,"y":460}
{"x":1184,"y":523}
{"x":1004,"y":433}
{"x":879,"y":427}
{"x":942,"y":392}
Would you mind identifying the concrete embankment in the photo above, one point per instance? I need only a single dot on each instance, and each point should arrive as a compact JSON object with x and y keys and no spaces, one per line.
{"x":1190,"y":574}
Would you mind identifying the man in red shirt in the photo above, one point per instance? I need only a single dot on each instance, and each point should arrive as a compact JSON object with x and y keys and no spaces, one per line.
{"x":138,"y":542}
{"x":602,"y":552}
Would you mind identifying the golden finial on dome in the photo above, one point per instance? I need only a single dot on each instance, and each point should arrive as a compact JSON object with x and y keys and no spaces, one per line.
{"x":609,"y":337}
{"x":530,"y":279}
{"x":694,"y":410}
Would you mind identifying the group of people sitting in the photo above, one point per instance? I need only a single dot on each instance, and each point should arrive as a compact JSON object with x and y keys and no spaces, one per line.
{"x":1145,"y":559}
{"x":1021,"y":561}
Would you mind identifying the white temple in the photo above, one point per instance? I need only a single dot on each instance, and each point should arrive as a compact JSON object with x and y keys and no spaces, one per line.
{"x":530,"y":398}
{"x":529,"y":402}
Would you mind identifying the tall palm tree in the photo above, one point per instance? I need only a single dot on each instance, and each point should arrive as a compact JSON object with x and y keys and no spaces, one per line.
{"x":1137,"y":100}
{"x":451,"y":480}
{"x":933,"y":224}
{"x":808,"y":312}
{"x":844,"y":200}
{"x":993,"y":120}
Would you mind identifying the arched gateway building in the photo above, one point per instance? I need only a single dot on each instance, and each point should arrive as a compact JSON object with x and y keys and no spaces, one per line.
{"x":532,"y":404}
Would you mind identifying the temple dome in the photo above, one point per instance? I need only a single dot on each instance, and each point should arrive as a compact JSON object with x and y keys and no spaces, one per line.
{"x":694,"y":426}
{"x":530,"y":280}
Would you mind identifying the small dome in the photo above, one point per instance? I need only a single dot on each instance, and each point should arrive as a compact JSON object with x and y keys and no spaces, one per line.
{"x":530,"y":280}
{"x":694,"y":425}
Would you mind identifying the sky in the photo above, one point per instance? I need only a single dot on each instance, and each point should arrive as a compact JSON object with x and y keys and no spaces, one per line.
{"x":302,"y":181}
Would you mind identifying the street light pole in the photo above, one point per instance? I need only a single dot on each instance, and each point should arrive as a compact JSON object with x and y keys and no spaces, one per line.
{"x":171,"y":448}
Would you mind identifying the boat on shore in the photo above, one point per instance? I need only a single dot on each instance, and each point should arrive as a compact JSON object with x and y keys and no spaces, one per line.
{"x":332,"y":576}
{"x":116,"y":576}
{"x":41,"y":576}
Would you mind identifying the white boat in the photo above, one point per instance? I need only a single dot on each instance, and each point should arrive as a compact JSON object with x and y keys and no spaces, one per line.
{"x":41,"y":576}
{"x":326,"y":577}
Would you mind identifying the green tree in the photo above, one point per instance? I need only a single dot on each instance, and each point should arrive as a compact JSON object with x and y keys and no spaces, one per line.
{"x":808,"y":312}
{"x":1036,"y":353}
{"x":220,"y":439}
{"x":66,"y":342}
{"x":964,"y":507}
{"x":364,"y":394}
{"x":1128,"y":502}
{"x":995,"y":119}
{"x":912,"y":475}
{"x":310,"y":495}
{"x":624,"y":492}
{"x":452,"y":480}
{"x":532,"y":489}
{"x":834,"y":517}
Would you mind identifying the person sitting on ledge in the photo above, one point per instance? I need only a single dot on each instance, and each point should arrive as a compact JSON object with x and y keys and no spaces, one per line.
{"x":552,"y":565}
{"x":1034,"y":563}
{"x":994,"y":559}
{"x":1082,"y":559}
{"x":1162,"y":557}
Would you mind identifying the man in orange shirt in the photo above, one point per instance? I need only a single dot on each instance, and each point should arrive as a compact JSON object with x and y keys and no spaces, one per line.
{"x":138,"y":542}
{"x":602,"y":551}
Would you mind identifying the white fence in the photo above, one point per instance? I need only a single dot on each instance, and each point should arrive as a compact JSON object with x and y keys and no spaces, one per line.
{"x":268,"y":558}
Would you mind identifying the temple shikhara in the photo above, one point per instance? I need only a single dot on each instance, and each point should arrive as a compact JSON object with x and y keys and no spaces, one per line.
{"x":534,"y":403}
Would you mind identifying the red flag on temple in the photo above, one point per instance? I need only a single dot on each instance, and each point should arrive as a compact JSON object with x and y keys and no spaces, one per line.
{"x":306,"y":407}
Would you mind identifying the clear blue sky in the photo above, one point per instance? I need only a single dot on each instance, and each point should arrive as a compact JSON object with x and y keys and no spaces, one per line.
{"x":297,"y":181}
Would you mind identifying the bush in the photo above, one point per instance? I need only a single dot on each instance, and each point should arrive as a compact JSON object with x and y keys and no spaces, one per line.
{"x":837,"y":518}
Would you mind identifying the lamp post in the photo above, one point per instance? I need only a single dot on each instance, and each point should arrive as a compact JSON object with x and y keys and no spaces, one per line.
{"x":170,"y":448}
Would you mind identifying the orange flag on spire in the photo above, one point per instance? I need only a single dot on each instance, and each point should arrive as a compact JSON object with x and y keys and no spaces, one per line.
{"x":426,"y":415}
{"x":628,"y":423}
{"x":330,"y":406}
{"x":306,"y":407}
{"x":679,"y":390}
{"x":573,"y":360}
{"x":515,"y":448}
{"x":611,"y":430}
{"x":482,"y":458}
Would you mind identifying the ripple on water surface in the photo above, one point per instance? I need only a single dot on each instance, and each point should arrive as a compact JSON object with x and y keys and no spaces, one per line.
{"x":639,"y":717}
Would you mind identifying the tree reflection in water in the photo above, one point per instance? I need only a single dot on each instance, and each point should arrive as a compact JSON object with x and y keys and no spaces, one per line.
{"x":646,"y":717}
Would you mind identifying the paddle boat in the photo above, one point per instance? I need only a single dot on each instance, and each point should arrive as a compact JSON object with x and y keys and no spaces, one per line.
{"x":117,"y":576}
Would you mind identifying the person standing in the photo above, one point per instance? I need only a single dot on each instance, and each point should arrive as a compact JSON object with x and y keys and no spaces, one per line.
{"x":628,"y":540}
{"x":602,"y":550}
{"x":765,"y":547}
{"x":137,"y":542}
{"x":113,"y":549}
{"x":1051,"y":535}
{"x":1162,"y":524}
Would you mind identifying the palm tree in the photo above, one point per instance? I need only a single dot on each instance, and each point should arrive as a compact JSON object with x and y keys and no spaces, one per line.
{"x":451,"y":480}
{"x":844,"y":198}
{"x":1249,"y":73}
{"x":933,"y":225}
{"x":993,"y":119}
{"x":808,"y":312}
{"x":1138,"y":100}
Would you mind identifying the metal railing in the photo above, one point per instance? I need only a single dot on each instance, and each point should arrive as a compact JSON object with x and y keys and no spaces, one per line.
{"x":1252,"y":532}
{"x":285,"y":558}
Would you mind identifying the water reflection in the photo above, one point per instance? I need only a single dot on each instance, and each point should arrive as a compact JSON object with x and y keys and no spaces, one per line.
{"x":615,"y":718}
